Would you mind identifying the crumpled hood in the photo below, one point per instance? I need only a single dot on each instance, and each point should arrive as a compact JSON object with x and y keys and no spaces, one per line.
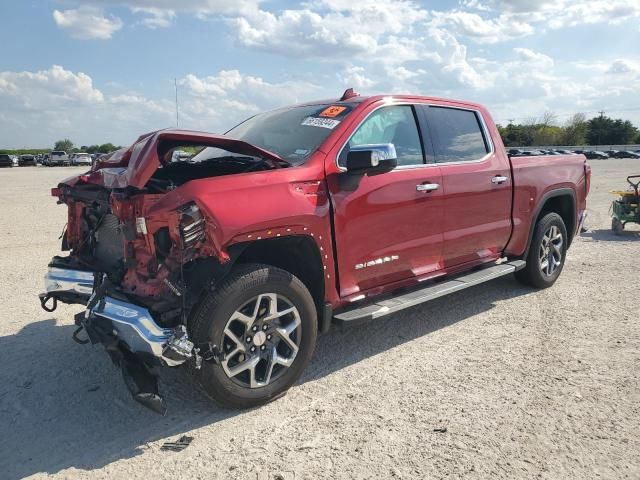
{"x":133,"y":166}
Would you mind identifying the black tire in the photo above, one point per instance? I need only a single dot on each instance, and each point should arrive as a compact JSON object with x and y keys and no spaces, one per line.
{"x":210,"y":318}
{"x":617,"y":226}
{"x":533,"y":273}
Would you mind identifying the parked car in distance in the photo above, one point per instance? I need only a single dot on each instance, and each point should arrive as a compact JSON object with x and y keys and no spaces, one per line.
{"x":566,"y":152}
{"x":231,"y":261}
{"x":81,"y":159}
{"x":626,"y":154}
{"x":27,"y":160}
{"x":58,"y":158}
{"x":15,"y":160}
{"x":611,"y":153}
{"x":6,"y":160}
{"x":595,"y":155}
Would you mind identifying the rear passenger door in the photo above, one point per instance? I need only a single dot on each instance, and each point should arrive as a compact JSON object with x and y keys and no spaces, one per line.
{"x":476,"y":183}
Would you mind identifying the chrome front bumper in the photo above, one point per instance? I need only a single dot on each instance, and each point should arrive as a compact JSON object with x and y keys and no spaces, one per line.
{"x":65,"y":280}
{"x":135,"y":326}
{"x":130,"y":324}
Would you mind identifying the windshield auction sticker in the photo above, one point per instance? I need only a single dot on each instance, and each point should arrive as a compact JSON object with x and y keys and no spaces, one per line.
{"x":321,"y":122}
{"x":332,"y":111}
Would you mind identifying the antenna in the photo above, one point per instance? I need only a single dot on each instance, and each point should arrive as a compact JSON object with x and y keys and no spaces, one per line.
{"x":175,"y":84}
{"x":348,"y":93}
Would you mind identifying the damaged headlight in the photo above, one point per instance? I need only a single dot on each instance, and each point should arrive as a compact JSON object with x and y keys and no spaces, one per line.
{"x":192,"y":225}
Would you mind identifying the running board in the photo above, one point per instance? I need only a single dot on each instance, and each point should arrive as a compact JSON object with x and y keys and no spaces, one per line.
{"x":391,"y":305}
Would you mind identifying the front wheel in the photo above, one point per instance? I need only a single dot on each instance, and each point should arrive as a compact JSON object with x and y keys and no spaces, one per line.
{"x":264,"y":322}
{"x":547,"y":253}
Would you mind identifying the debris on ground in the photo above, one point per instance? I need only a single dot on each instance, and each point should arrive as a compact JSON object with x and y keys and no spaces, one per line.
{"x":182,"y":443}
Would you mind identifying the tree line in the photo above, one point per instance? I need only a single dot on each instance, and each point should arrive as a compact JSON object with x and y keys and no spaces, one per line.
{"x":601,"y":130}
{"x":65,"y":145}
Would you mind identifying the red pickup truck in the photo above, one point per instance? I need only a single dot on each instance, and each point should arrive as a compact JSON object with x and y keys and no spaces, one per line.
{"x":232,"y":255}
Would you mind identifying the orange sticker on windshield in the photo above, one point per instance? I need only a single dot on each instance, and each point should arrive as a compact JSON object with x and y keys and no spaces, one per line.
{"x":332,"y":111}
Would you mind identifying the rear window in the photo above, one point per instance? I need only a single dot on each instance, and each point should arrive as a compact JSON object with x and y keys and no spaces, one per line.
{"x":58,"y":154}
{"x":457,"y":134}
{"x":5,"y":157}
{"x":292,"y":133}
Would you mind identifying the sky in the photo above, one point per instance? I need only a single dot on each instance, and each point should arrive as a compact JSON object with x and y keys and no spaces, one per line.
{"x":98,"y":71}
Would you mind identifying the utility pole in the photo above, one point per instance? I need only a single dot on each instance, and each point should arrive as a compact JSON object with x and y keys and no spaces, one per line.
{"x":175,"y":84}
{"x":601,"y":112}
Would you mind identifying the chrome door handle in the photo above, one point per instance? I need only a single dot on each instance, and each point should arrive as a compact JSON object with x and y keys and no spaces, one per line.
{"x":427,"y":187}
{"x":498,"y":179}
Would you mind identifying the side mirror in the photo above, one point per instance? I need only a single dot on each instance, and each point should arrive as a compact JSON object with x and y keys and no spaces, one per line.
{"x":372,"y":159}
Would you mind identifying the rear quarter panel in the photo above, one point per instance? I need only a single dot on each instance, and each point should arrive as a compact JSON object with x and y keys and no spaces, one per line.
{"x":534,"y":178}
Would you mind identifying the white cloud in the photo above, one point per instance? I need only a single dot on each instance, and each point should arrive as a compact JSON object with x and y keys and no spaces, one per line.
{"x":482,"y":30}
{"x":201,"y":7}
{"x":560,"y":13}
{"x":155,"y":17}
{"x":87,"y":23}
{"x":382,"y":35}
{"x":217,"y":102}
{"x":519,"y":6}
{"x":331,"y":27}
{"x":48,"y":89}
{"x":595,"y":11}
{"x":622,"y":67}
{"x":43,"y":106}
{"x":356,"y":77}
{"x":533,"y":60}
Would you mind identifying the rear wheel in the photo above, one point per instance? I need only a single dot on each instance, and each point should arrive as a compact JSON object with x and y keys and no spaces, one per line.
{"x":264,"y":322}
{"x":547,"y":252}
{"x":617,"y":226}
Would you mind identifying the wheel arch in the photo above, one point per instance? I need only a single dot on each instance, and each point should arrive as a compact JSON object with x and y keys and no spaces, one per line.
{"x":298,"y":255}
{"x":561,"y":201}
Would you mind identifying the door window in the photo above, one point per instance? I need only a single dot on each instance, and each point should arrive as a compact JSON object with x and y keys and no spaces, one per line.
{"x":393,"y":124}
{"x":457,"y":134}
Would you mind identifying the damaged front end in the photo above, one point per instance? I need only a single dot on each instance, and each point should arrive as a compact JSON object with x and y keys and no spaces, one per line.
{"x":132,"y":337}
{"x":140,"y":257}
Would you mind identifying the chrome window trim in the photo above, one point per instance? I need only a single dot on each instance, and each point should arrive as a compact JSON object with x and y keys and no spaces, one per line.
{"x":483,"y":125}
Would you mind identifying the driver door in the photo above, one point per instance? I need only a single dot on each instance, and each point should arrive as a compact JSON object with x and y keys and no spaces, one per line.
{"x":387,"y":227}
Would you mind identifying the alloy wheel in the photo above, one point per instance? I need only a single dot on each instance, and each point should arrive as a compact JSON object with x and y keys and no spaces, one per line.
{"x":261,"y":340}
{"x":550,"y":252}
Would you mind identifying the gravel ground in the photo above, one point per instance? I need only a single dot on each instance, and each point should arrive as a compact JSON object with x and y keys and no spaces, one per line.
{"x":500,"y":381}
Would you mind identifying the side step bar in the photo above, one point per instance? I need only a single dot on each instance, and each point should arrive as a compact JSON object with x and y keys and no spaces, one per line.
{"x":391,"y":305}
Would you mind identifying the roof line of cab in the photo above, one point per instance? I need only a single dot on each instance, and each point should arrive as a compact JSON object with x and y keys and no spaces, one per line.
{"x":369,"y":99}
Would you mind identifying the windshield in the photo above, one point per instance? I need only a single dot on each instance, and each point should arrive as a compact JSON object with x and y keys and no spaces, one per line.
{"x":292,"y":133}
